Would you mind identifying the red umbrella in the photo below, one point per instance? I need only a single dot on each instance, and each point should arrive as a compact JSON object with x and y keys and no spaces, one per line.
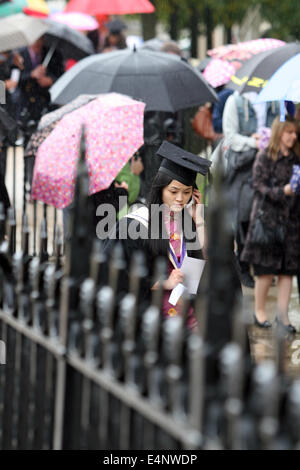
{"x":110,"y":7}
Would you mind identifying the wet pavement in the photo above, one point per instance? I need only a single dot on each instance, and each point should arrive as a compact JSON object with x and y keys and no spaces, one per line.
{"x":264,"y":343}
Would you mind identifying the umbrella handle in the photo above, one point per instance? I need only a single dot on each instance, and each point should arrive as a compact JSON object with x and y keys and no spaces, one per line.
{"x":50,"y":53}
{"x":282,"y":111}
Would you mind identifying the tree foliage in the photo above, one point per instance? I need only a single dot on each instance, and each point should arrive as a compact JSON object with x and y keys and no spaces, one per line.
{"x":284,"y":17}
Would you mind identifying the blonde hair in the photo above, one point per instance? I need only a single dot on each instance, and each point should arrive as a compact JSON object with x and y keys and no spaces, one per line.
{"x":277,"y":130}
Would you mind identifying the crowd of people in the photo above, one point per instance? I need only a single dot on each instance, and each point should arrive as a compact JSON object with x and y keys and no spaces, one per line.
{"x":264,"y":207}
{"x":258,"y":175}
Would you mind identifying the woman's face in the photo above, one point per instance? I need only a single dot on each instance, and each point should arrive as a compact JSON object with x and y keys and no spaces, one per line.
{"x":289,"y":136}
{"x":176,"y":195}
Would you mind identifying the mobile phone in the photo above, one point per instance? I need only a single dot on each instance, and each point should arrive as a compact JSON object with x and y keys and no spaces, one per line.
{"x":192,"y":201}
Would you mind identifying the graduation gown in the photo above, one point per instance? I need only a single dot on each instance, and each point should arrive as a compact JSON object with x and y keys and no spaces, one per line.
{"x":131,"y":224}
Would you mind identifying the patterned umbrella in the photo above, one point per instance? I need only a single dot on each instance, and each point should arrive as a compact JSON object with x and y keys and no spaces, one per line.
{"x":114,"y":131}
{"x":49,"y":121}
{"x":218,"y":72}
{"x":56,"y":115}
{"x":244,"y":50}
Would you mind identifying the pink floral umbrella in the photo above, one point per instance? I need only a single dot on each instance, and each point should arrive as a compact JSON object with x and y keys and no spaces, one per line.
{"x":218,"y":72}
{"x":244,"y":50}
{"x":114,"y":132}
{"x":76,"y":20}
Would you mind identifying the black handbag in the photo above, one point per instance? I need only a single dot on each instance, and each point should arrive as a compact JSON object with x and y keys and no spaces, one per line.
{"x":263,"y":234}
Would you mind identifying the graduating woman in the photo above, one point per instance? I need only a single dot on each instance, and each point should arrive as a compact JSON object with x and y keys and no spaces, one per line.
{"x":170,"y":226}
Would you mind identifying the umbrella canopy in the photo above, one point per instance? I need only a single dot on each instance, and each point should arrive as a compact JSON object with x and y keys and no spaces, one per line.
{"x":284,"y":84}
{"x":114,"y":132}
{"x":17,"y":6}
{"x":75,"y":20}
{"x":218,"y":72}
{"x":110,"y":7}
{"x":244,"y":50}
{"x":20,"y":31}
{"x":70,"y":43}
{"x":56,"y":115}
{"x":163,"y":81}
{"x":253,"y":75}
{"x":49,"y":121}
{"x":238,"y":54}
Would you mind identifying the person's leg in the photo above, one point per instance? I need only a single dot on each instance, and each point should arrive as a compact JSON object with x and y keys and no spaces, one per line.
{"x":245,"y":276}
{"x":284,"y":289}
{"x":262,"y":286}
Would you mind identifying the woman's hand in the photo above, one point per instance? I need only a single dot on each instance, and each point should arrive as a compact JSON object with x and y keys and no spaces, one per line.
{"x":197,"y":213}
{"x":175,"y":278}
{"x":136,"y":166}
{"x":196,"y":208}
{"x":288,"y":190}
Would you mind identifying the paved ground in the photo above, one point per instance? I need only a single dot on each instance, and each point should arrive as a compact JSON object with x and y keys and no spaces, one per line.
{"x":264,"y":342}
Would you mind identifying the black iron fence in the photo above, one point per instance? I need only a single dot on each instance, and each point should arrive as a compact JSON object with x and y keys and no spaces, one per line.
{"x":85,"y":371}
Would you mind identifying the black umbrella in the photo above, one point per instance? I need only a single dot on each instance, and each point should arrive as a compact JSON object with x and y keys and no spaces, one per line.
{"x":163,"y":81}
{"x":252,"y":76}
{"x":204,"y":63}
{"x":71,"y":43}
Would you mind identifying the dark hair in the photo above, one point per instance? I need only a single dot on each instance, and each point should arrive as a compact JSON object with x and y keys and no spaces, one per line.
{"x":159,"y":246}
{"x":171,"y":47}
{"x":121,"y":44}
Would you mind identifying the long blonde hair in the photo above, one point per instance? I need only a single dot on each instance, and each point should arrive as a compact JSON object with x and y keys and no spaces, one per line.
{"x":278,"y":128}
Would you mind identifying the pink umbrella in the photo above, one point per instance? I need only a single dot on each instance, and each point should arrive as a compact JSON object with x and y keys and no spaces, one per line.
{"x":76,"y":20}
{"x":244,"y":50}
{"x":218,"y":72}
{"x":114,"y":132}
{"x":110,"y":7}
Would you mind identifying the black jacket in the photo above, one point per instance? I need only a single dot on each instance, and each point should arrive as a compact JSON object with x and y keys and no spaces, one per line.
{"x":34,"y":97}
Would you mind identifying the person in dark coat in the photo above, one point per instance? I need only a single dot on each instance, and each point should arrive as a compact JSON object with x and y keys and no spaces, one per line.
{"x":218,"y":108}
{"x":10,"y":63}
{"x":36,"y":79}
{"x":242,"y":121}
{"x":272,"y":172}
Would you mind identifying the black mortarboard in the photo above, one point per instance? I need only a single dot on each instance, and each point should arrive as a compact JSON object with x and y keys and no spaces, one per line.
{"x":116,"y":26}
{"x":181,"y":165}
